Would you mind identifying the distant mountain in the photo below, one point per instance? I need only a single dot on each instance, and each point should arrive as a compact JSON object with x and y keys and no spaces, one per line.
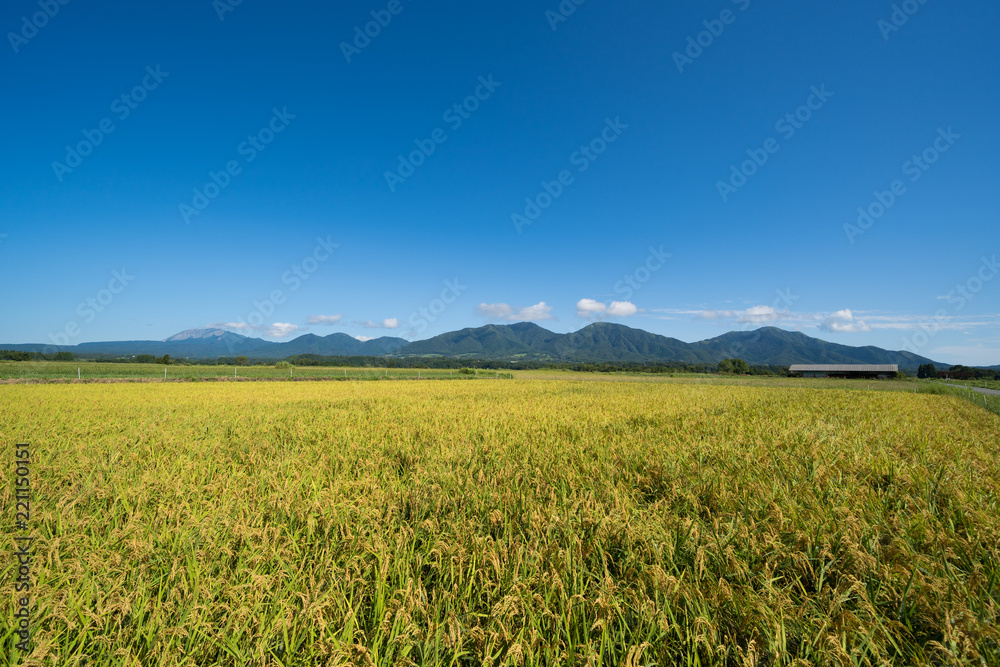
{"x":201,"y":334}
{"x":597,"y":342}
{"x":214,"y":343}
{"x":605,"y":341}
{"x":492,"y":341}
{"x":334,"y":345}
{"x":524,"y":341}
{"x":770,"y":345}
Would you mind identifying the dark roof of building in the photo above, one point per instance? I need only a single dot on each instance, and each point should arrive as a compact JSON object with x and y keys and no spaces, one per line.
{"x":844,"y":368}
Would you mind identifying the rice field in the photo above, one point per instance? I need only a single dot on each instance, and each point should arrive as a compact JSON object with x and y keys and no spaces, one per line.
{"x":525,"y":522}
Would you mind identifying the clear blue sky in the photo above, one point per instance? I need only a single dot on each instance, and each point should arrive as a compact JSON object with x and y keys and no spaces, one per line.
{"x":309,"y":129}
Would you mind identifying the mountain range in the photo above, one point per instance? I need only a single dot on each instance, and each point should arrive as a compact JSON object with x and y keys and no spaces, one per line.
{"x":524,"y":341}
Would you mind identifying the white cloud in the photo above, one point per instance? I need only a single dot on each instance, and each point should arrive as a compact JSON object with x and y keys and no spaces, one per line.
{"x":758,"y":315}
{"x":540,"y":311}
{"x":494,"y":311}
{"x":752,"y":315}
{"x":715,"y":314}
{"x":282,"y":330}
{"x":843,"y":321}
{"x":622,"y":309}
{"x":276,"y":330}
{"x":364,"y":339}
{"x":932,"y":322}
{"x":388,"y":323}
{"x":329,"y":320}
{"x":502,"y":311}
{"x":590,"y":309}
{"x":238,"y":326}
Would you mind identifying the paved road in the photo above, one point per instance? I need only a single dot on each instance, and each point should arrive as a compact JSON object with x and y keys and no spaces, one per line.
{"x":991,"y":392}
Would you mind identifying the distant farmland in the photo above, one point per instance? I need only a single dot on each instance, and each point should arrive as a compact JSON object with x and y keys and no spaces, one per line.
{"x":86,"y":370}
{"x":507,"y":523}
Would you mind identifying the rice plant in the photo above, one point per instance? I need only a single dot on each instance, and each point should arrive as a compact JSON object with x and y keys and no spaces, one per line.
{"x":505,"y":523}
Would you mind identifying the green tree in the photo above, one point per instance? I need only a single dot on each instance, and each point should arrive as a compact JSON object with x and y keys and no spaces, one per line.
{"x":927,"y":371}
{"x":734,"y":367}
{"x":242,"y":361}
{"x":63,"y":356}
{"x":165,"y":359}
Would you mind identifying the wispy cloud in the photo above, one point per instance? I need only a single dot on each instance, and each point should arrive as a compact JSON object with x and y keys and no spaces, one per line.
{"x":846,"y":320}
{"x":234,"y":326}
{"x":752,"y":315}
{"x":387,"y":323}
{"x":326,"y":320}
{"x":502,"y":311}
{"x":940,"y":323}
{"x":275,"y":330}
{"x":710,"y":314}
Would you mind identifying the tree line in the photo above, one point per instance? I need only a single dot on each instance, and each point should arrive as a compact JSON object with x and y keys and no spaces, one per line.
{"x":18,"y":355}
{"x":930,"y":371}
{"x":728,"y":366}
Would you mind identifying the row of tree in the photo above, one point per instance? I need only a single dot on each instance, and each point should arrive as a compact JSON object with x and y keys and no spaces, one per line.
{"x":17,"y":355}
{"x":931,"y":371}
{"x":727,"y":366}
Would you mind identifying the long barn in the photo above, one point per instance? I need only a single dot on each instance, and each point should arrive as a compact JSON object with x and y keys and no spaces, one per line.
{"x":858,"y":371}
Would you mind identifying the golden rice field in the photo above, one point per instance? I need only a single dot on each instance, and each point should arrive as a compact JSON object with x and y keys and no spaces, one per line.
{"x":504,"y":523}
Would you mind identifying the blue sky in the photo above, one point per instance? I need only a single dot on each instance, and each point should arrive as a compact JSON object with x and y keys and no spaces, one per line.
{"x":684,"y":168}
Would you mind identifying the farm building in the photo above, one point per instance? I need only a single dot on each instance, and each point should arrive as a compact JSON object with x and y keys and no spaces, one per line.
{"x":859,"y":371}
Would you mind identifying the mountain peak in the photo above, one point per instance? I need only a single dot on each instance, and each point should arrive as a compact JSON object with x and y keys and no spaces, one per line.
{"x":197,"y":334}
